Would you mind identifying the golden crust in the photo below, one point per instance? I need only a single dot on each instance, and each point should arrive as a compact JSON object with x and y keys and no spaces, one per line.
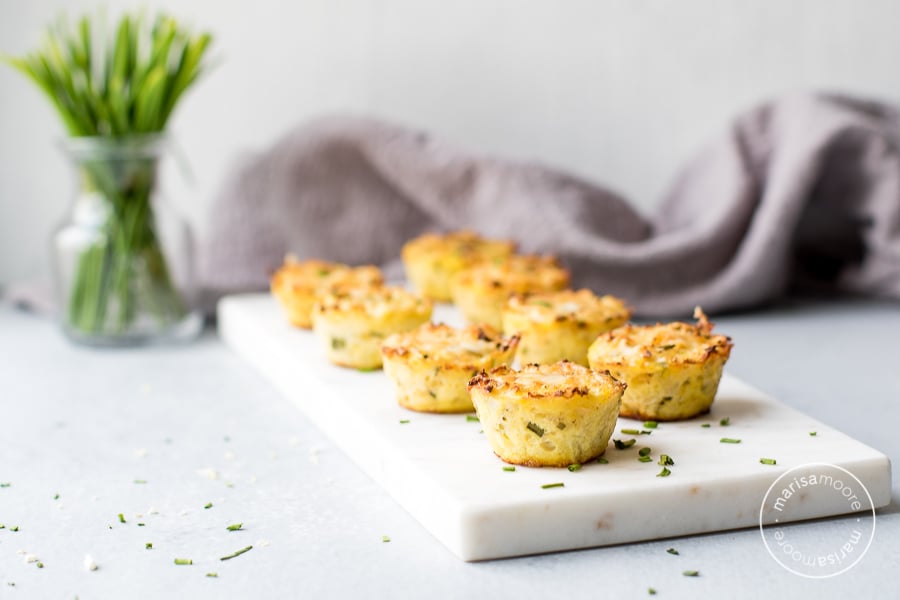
{"x":432,"y":259}
{"x":672,"y":370}
{"x":431,"y":365}
{"x":561,"y":325}
{"x":547,"y":415}
{"x":297,"y":284}
{"x":353,"y":322}
{"x":481,"y":291}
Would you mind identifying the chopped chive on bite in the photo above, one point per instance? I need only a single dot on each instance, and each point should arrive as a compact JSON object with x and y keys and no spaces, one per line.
{"x":547,"y":486}
{"x":767,"y":461}
{"x":730,"y":441}
{"x":536,"y":429}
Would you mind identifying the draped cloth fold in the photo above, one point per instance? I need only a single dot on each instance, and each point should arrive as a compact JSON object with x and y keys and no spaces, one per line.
{"x":798,"y":194}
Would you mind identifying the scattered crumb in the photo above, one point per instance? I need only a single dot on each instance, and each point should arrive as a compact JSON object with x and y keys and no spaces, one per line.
{"x":30,"y":558}
{"x":89,"y":564}
{"x":252,"y":479}
{"x":314,"y":454}
{"x":262,"y":543}
{"x":152,"y":511}
{"x":273,"y":455}
{"x":138,"y":516}
{"x":146,"y":388}
{"x":140,"y":453}
{"x":294,"y":441}
{"x":208,"y":472}
{"x":229,"y":455}
{"x":184,"y":512}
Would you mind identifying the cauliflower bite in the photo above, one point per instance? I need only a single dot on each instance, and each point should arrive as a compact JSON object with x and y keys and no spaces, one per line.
{"x":430,"y":366}
{"x":297,"y":284}
{"x":352,"y":323}
{"x":672,"y":370}
{"x":561,"y":325}
{"x":547,"y":415}
{"x":432,"y":259}
{"x":481,"y":291}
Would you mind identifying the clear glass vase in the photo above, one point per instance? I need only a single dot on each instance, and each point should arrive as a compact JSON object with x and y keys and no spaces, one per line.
{"x":123,"y":259}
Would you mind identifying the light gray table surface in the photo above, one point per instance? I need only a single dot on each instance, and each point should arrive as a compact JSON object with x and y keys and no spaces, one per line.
{"x":142,"y":431}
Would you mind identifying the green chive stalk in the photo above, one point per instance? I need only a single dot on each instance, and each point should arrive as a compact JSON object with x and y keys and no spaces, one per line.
{"x":115,"y":91}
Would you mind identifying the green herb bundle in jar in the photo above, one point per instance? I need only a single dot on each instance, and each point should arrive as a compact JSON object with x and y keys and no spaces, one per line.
{"x":118,"y":283}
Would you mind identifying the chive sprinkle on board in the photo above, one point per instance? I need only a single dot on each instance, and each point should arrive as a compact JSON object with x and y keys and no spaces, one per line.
{"x":472,"y":419}
{"x":691,"y":573}
{"x":235,"y":527}
{"x":184,"y":561}
{"x":672,"y":551}
{"x":509,"y":469}
{"x":767,"y":461}
{"x":664,"y":473}
{"x":650,"y":424}
{"x":208,"y":505}
{"x":237,"y":553}
{"x":730,"y":441}
{"x":121,"y":518}
{"x":725,"y":422}
{"x":385,"y":539}
{"x":547,"y":486}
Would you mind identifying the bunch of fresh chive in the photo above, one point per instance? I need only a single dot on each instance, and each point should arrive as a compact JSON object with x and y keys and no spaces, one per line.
{"x":115,"y":85}
{"x":118,"y":88}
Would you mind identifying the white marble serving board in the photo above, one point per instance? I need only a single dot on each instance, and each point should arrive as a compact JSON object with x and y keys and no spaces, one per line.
{"x":441,"y":469}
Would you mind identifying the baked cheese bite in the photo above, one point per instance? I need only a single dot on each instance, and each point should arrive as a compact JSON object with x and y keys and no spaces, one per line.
{"x":561,"y":325}
{"x":481,"y":291}
{"x":672,"y":369}
{"x":547,"y":415}
{"x":296,"y":284}
{"x":430,"y":260}
{"x":430,"y":366}
{"x":352,"y":323}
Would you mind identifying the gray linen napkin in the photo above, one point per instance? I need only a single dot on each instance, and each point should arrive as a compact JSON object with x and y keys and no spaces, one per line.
{"x":801,"y":193}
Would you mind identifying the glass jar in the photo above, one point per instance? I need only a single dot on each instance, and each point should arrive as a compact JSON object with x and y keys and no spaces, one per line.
{"x":123,"y":258}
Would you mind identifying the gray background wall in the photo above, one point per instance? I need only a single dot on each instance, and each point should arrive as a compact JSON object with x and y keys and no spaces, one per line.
{"x":620,"y":91}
